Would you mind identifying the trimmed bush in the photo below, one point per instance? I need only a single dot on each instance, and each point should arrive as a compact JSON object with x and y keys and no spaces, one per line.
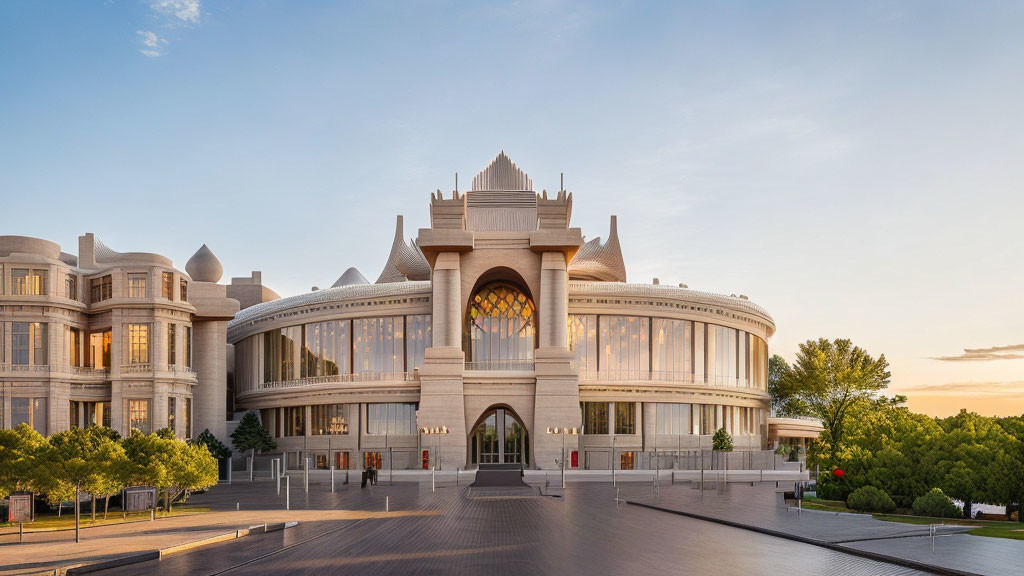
{"x":832,"y":488}
{"x":721,"y":441}
{"x":936,"y":504}
{"x":870,"y":499}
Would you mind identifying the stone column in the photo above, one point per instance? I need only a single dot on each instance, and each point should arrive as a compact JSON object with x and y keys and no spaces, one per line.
{"x":447,"y":301}
{"x":209,"y":404}
{"x":554,"y":301}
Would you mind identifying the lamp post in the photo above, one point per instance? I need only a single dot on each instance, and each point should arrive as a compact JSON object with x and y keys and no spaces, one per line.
{"x":563,"y":431}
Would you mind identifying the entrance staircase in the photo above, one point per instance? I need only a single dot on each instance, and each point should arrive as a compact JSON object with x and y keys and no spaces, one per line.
{"x":499,"y":476}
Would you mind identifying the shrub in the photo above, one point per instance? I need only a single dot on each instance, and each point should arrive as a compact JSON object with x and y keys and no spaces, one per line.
{"x":937,"y":504}
{"x":721,"y":441}
{"x":831,"y":488}
{"x":870,"y":499}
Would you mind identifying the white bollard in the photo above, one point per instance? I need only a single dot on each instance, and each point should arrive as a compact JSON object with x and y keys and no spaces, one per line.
{"x":277,"y":474}
{"x":387,"y":503}
{"x":332,"y":477}
{"x":287,"y":492}
{"x":433,"y":485}
{"x":305,"y":478}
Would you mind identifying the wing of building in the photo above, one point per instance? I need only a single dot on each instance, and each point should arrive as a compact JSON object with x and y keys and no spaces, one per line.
{"x":499,"y":324}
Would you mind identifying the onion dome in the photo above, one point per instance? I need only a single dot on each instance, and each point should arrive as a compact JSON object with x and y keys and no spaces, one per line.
{"x":351,"y":277}
{"x":203,"y":266}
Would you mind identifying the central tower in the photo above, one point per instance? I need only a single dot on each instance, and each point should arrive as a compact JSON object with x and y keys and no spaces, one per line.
{"x":499,"y":330}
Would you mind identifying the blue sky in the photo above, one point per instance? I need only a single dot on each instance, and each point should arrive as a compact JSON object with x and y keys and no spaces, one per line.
{"x":853,"y":168}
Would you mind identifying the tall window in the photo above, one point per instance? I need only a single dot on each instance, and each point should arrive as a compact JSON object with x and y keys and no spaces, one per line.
{"x":172,"y":344}
{"x":101,"y":289}
{"x":625,"y":346}
{"x":595,"y":417}
{"x":672,"y":347}
{"x":583,"y":341}
{"x":167,"y":285}
{"x":393,"y":418}
{"x":673,"y":418}
{"x":758,"y":363}
{"x":172,"y":409}
{"x":281,"y":359}
{"x":295,"y":421}
{"x":378,"y":345}
{"x":183,"y":292}
{"x":188,"y":346}
{"x":724,"y":362}
{"x":25,"y":282}
{"x":99,"y":349}
{"x":28,"y":343}
{"x":500,"y":326}
{"x":71,"y":287}
{"x":625,"y":418}
{"x":418,"y":339}
{"x":137,"y":286}
{"x":138,"y":343}
{"x":73,"y":344}
{"x":328,"y":419}
{"x":188,"y":417}
{"x":138,"y":415}
{"x":31,"y":411}
{"x":325,"y":349}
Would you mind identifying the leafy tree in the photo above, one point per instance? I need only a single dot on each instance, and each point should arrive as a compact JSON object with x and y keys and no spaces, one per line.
{"x":192,"y":468}
{"x":251,"y":435}
{"x":784,"y":401}
{"x":83,"y":459}
{"x":217,"y":448}
{"x":831,"y":378}
{"x":19,"y":454}
{"x":150,"y":458}
{"x":167,"y":433}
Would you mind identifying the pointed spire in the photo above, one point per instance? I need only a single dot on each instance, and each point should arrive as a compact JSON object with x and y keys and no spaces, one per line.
{"x":350,"y":277}
{"x":501,"y":175}
{"x":406,"y":261}
{"x":597,"y":261}
{"x":204,"y":266}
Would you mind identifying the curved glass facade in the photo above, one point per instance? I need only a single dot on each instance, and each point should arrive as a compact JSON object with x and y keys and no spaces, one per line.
{"x":661,"y":349}
{"x":500,"y":326}
{"x":377,"y":348}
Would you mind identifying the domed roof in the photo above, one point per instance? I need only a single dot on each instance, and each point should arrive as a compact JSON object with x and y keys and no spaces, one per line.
{"x":351,"y":277}
{"x":203,"y":266}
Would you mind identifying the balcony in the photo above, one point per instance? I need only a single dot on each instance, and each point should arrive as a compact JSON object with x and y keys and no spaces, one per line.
{"x":658,"y":376}
{"x":138,"y":368}
{"x":90,"y":371}
{"x":502,"y":365}
{"x":24,"y":368}
{"x":326,"y":381}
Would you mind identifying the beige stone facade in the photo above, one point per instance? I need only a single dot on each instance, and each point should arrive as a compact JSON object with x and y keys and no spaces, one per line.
{"x":123,"y":340}
{"x":499,"y":323}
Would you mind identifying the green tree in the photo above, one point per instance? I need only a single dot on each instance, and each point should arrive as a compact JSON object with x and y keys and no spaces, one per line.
{"x":784,"y":401}
{"x":150,"y":459}
{"x":19,"y":456}
{"x":251,"y":435}
{"x":721,"y":441}
{"x":217,"y":448}
{"x":831,"y":378}
{"x":192,"y":468}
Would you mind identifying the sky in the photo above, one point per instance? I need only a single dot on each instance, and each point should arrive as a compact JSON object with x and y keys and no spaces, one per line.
{"x":855,"y":168}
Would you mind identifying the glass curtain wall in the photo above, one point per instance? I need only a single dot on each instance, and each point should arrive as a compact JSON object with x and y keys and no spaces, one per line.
{"x":672,"y":349}
{"x":673,"y":418}
{"x":583,"y":341}
{"x":418,"y":339}
{"x":391,"y":418}
{"x":723,"y":365}
{"x":595,"y":417}
{"x":625,"y":347}
{"x":379,"y":347}
{"x":501,"y":327}
{"x":326,"y":349}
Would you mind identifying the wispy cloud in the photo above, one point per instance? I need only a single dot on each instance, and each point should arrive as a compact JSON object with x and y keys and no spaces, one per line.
{"x":988,"y":389}
{"x":986,"y":354}
{"x":168,"y":14}
{"x":185,"y":10}
{"x":151,"y":42}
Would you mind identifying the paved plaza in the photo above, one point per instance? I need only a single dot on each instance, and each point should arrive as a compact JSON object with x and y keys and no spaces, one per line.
{"x":582,"y":530}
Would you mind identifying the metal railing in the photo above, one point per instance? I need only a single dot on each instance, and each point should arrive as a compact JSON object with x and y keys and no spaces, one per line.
{"x":334,"y":379}
{"x":24,"y":368}
{"x":664,"y":376}
{"x":139,"y":368}
{"x":90,"y":371}
{"x":502,"y":365}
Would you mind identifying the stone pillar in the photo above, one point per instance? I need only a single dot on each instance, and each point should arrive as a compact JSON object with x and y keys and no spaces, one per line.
{"x":557,"y":403}
{"x":447,"y":301}
{"x":209,"y":404}
{"x":554,"y":301}
{"x":442,"y":403}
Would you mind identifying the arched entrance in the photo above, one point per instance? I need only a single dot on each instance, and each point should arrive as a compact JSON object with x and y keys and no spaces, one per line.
{"x":499,"y":437}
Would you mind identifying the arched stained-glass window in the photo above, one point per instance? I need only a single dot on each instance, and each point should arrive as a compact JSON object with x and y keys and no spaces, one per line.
{"x":500,"y":327}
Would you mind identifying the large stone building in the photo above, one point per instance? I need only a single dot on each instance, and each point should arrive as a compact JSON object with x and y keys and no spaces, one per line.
{"x":123,"y":340}
{"x":500,"y":323}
